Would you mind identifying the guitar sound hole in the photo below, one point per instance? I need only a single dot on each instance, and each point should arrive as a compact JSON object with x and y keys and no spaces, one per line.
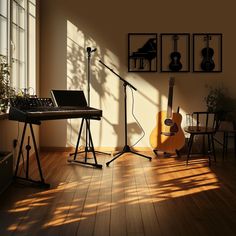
{"x":168,"y":122}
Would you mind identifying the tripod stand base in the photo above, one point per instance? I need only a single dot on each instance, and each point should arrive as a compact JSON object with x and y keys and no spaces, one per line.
{"x":32,"y":182}
{"x":86,"y":151}
{"x":89,"y":149}
{"x":86,"y":163}
{"x":125,"y":150}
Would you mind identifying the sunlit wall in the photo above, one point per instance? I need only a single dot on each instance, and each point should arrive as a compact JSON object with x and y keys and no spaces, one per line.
{"x":68,"y":27}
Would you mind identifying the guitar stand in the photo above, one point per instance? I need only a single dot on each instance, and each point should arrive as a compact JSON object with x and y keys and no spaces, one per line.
{"x":166,"y":154}
{"x":40,"y":183}
{"x":88,"y":147}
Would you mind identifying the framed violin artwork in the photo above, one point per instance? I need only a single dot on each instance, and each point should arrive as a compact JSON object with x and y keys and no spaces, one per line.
{"x":207,"y":52}
{"x":175,"y":52}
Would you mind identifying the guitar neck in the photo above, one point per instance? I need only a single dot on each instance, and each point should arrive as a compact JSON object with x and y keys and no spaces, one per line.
{"x":208,"y":38}
{"x":175,"y":38}
{"x":170,"y":101}
{"x":175,"y":45}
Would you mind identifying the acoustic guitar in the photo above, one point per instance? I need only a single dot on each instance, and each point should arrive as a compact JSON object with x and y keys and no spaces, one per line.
{"x":175,"y":64}
{"x":207,"y":53}
{"x":168,"y":135}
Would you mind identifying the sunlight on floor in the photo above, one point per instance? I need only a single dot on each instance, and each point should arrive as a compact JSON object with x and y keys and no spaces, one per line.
{"x":140,"y":185}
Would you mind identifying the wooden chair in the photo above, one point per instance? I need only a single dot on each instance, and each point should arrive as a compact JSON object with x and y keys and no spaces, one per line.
{"x":228,"y":129}
{"x":202,"y":124}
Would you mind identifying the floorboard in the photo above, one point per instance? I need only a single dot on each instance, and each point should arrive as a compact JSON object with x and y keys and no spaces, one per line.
{"x":133,"y":196}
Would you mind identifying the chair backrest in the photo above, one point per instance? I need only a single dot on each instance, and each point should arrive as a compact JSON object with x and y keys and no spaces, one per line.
{"x":206,"y":119}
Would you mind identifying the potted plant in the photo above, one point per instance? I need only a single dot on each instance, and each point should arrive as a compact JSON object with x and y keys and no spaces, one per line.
{"x":6,"y":91}
{"x":219,"y":101}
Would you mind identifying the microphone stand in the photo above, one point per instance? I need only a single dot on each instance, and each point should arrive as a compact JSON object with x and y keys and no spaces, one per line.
{"x":126,"y":147}
{"x":88,"y":147}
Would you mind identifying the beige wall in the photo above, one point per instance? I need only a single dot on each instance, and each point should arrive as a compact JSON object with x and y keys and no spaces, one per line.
{"x":67,"y":27}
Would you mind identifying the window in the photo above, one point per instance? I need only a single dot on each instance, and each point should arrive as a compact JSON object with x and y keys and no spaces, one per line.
{"x":3,"y":27}
{"x":17,"y":40}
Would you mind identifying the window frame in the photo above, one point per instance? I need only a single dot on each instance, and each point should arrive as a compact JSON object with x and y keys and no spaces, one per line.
{"x":18,"y":41}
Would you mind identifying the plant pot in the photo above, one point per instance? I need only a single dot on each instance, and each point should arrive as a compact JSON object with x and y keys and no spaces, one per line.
{"x":6,"y":170}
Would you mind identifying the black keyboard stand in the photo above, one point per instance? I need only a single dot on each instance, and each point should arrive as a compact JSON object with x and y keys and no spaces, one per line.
{"x":41,"y":182}
{"x":88,"y":146}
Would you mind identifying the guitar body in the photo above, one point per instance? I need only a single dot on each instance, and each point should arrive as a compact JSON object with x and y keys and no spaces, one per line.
{"x":207,"y":62}
{"x":175,"y":64}
{"x":207,"y":54}
{"x":167,"y":138}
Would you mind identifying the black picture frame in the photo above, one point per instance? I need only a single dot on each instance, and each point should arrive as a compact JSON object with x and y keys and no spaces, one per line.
{"x":170,"y":60}
{"x":207,"y":52}
{"x":142,"y":52}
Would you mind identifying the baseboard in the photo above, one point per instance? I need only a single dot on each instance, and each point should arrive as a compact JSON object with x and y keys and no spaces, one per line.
{"x":103,"y":149}
{"x":57,"y":149}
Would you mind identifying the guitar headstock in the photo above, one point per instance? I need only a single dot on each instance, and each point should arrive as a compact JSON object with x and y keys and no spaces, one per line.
{"x":171,"y":82}
{"x":175,"y":37}
{"x":207,"y":37}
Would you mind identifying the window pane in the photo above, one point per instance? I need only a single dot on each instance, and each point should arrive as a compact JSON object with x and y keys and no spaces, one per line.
{"x":20,"y":3}
{"x":32,"y":1}
{"x":32,"y":53}
{"x":22,"y":48}
{"x":32,"y":9}
{"x":14,"y":41}
{"x":18,"y":15}
{"x":18,"y":54}
{"x":3,"y":7}
{"x":3,"y":35}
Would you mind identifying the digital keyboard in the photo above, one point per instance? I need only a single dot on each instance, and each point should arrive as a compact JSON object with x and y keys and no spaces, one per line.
{"x":33,"y":110}
{"x":36,"y":114}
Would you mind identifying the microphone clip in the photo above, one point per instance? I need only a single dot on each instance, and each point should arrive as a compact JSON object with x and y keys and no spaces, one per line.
{"x":90,"y":50}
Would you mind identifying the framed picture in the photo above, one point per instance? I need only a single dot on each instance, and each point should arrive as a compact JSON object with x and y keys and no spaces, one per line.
{"x":142,"y":52}
{"x":175,"y":52}
{"x":207,"y":52}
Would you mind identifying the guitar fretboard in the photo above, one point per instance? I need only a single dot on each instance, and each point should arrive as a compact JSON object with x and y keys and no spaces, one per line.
{"x":170,"y":98}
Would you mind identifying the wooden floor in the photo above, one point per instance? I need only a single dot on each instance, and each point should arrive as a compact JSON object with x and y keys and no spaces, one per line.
{"x":133,"y":196}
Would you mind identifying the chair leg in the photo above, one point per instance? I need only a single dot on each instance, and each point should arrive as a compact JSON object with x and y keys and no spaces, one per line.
{"x":226,"y":150}
{"x":213,"y":147}
{"x":210,"y":148}
{"x":235,"y":144}
{"x":224,"y":145}
{"x":190,"y":143}
{"x":209,"y":144}
{"x":178,"y":153}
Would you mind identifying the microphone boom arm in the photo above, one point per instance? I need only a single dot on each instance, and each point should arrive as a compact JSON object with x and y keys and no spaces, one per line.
{"x":124,"y":81}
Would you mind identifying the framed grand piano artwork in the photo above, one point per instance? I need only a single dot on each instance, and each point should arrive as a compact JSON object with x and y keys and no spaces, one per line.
{"x":175,"y":52}
{"x":207,"y":52}
{"x":142,"y":52}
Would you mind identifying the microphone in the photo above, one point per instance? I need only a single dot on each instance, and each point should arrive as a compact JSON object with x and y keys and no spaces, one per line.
{"x":90,"y":50}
